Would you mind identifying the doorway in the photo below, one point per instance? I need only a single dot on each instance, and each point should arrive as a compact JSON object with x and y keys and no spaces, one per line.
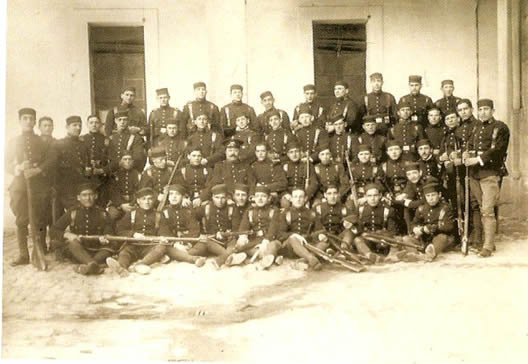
{"x":117,"y":59}
{"x":340,"y":53}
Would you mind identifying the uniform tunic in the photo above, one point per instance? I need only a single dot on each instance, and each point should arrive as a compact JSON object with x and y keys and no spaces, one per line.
{"x":158,"y":118}
{"x":196,"y":107}
{"x":228,"y":121}
{"x":210,"y":142}
{"x":136,"y":117}
{"x":349,"y":110}
{"x":318,"y":111}
{"x":419,"y":106}
{"x":270,"y":174}
{"x":439,"y":219}
{"x":122,"y":141}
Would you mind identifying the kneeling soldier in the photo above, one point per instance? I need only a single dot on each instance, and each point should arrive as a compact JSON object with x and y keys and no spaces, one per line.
{"x":138,"y":223}
{"x":86,"y":219}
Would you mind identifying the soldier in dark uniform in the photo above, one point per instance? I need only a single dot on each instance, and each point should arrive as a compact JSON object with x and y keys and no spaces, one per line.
{"x":173,"y":142}
{"x":240,"y":202}
{"x":395,"y":181}
{"x":380,"y":103}
{"x":372,"y":138}
{"x":297,"y":175}
{"x":209,"y":141}
{"x":157,"y":175}
{"x":419,"y":103}
{"x":365,"y":172}
{"x":329,"y":173}
{"x":341,"y":142}
{"x":97,"y":145}
{"x":332,"y":211}
{"x":467,"y":121}
{"x":138,"y":223}
{"x":159,"y":117}
{"x":345,"y":107}
{"x":412,"y":196}
{"x":248,"y":136}
{"x":310,"y":136}
{"x":26,"y":158}
{"x":429,"y":164}
{"x":85,"y":219}
{"x":268,"y":173}
{"x":123,"y":184}
{"x":317,"y":109}
{"x":277,"y":138}
{"x":268,"y":101}
{"x":227,"y":119}
{"x":122,"y":141}
{"x":486,"y":156}
{"x":201,"y":106}
{"x":137,"y":120}
{"x":435,"y":129}
{"x":194,"y":177}
{"x":447,"y":104}
{"x":407,"y":132}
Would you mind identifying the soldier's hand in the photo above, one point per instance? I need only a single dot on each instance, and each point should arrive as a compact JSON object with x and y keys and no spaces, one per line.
{"x":98,"y":171}
{"x":457,"y":161}
{"x":444,"y":157}
{"x":329,"y":127}
{"x":170,"y":163}
{"x":202,"y":238}
{"x":219,"y":235}
{"x":138,"y":236}
{"x":362,"y":200}
{"x":88,"y":171}
{"x":417,"y":230}
{"x":436,"y":151}
{"x":126,"y":207}
{"x":471,"y":162}
{"x":19,"y":170}
{"x":160,"y":197}
{"x":204,"y":161}
{"x":25,"y":165}
{"x":465,"y":156}
{"x":71,"y":236}
{"x":347,"y":225}
{"x":164,"y":241}
{"x":103,"y":240}
{"x":134,"y":129}
{"x":242,"y":241}
{"x":322,"y":237}
{"x":401,"y":197}
{"x":186,"y":202}
{"x":31,"y":172}
{"x":196,"y":202}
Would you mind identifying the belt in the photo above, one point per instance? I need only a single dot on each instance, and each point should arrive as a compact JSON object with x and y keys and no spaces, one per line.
{"x":259,"y":233}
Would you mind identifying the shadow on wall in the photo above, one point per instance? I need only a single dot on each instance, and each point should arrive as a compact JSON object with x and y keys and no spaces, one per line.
{"x":514,"y":198}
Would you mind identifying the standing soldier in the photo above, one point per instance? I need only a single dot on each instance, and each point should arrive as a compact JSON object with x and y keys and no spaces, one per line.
{"x":381,"y":104}
{"x":159,"y":117}
{"x":299,"y":174}
{"x":435,"y":129}
{"x":268,"y":101}
{"x":396,"y":179}
{"x":317,"y":109}
{"x":277,"y":138}
{"x":97,"y":145}
{"x":26,"y":158}
{"x":412,"y":195}
{"x":372,"y":138}
{"x":341,"y":141}
{"x":345,"y":107}
{"x":194,"y":177}
{"x":209,"y":141}
{"x":157,"y":175}
{"x":310,"y":136}
{"x":228,"y":112}
{"x":330,"y":173}
{"x":467,"y":121}
{"x":201,"y":106}
{"x":174,"y":143}
{"x":418,"y":103}
{"x":267,"y":173}
{"x":124,"y":182}
{"x":364,"y":172}
{"x":137,"y":121}
{"x":247,"y":136}
{"x":428,"y":162}
{"x":486,"y":156}
{"x":407,"y":132}
{"x":447,"y":104}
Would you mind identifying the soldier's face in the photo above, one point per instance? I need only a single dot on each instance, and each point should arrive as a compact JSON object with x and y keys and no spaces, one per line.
{"x":128,"y":97}
{"x":331,"y":196}
{"x":465,"y":111}
{"x":432,"y":198}
{"x":195,"y":158}
{"x":175,"y":197}
{"x":448,"y":90}
{"x":452,"y":121}
{"x":364,"y":156}
{"x":309,"y":95}
{"x":240,"y":197}
{"x":261,"y":152}
{"x":339,"y":91}
{"x":27,"y":122}
{"x":74,"y":129}
{"x":394,"y":152}
{"x":241,"y":122}
{"x":294,"y":154}
{"x":236,"y":95}
{"x":121,"y":122}
{"x":369,"y":127}
{"x":261,"y":199}
{"x":219,"y":200}
{"x":434,"y":117}
{"x":127,"y":162}
{"x":413,"y":175}
{"x":415,"y":87}
{"x":339,"y":126}
{"x":200,"y":93}
{"x":485,"y":113}
{"x":172,"y":130}
{"x":376,"y":84}
{"x":373,"y":197}
{"x":267,"y":102}
{"x":424,"y":151}
{"x":404,"y":113}
{"x":325,"y":156}
{"x":160,"y":162}
{"x":164,"y":100}
{"x":305,"y":119}
{"x":232,"y":153}
{"x":86,"y":198}
{"x":201,"y":121}
{"x":146,"y":202}
{"x":297,"y":198}
{"x":46,"y":127}
{"x":274,"y":122}
{"x":93,"y":124}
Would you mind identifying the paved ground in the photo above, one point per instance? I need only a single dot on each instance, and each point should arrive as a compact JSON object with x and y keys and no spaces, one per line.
{"x":457,"y":309}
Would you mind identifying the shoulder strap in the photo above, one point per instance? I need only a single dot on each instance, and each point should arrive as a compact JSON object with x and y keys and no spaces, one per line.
{"x":494,"y":137}
{"x":73,"y":214}
{"x":318,"y":209}
{"x":374,"y":170}
{"x":441,"y":214}
{"x":366,"y":102}
{"x":288,"y":217}
{"x":133,"y":217}
{"x":191,"y":110}
{"x":157,"y":220}
{"x":360,"y":140}
{"x":344,"y":211}
{"x":115,"y":110}
{"x":384,"y":167}
{"x":285,"y":167}
{"x":271,"y":213}
{"x":316,"y":138}
{"x":166,"y":213}
{"x":250,"y":216}
{"x":130,"y":141}
{"x":230,"y":210}
{"x":360,"y":210}
{"x":183,"y":170}
{"x":285,"y":138}
{"x":213,"y":137}
{"x":385,"y":215}
{"x":317,"y":169}
{"x":205,"y":171}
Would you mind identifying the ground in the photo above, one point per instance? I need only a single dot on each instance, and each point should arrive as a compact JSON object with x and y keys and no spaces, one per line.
{"x":456,"y":309}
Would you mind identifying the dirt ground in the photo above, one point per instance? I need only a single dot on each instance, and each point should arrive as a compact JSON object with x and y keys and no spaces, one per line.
{"x":454,"y":310}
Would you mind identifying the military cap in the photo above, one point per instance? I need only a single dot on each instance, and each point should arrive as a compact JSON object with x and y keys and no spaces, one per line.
{"x":431,"y":179}
{"x":376,"y":75}
{"x":265,"y":94}
{"x":171,"y":121}
{"x":292,"y":144}
{"x":415,"y":78}
{"x":336,"y":118}
{"x":423,"y":141}
{"x":128,"y":88}
{"x":241,"y":187}
{"x":273,"y":113}
{"x":323,"y":147}
{"x":239,"y":113}
{"x":44,"y":118}
{"x":364,"y":148}
{"x":371,"y":186}
{"x":194,"y":148}
{"x":127,"y":153}
{"x":73,"y":119}
{"x":121,"y":114}
{"x":236,"y":87}
{"x":162,"y":91}
{"x":262,"y":189}
{"x":145,"y":191}
{"x":219,"y":189}
{"x":232,"y":143}
{"x":85,"y":186}
{"x":392,"y":143}
{"x":353,"y":219}
{"x":449,"y":112}
{"x":403,"y":104}
{"x":447,"y":82}
{"x":157,"y":152}
{"x":27,"y":111}
{"x":331,"y":185}
{"x":433,"y":107}
{"x":464,"y":101}
{"x":177,"y":187}
{"x":370,"y":118}
{"x":199,"y":84}
{"x":412,"y":166}
{"x":485,"y":102}
{"x":305,"y":109}
{"x":341,"y":83}
{"x":309,"y":87}
{"x":200,"y":112}
{"x":431,"y":187}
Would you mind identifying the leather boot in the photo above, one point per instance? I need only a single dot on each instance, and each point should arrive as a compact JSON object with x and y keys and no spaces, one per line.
{"x":153,"y":256}
{"x":475,"y":239}
{"x":42,"y":240}
{"x":79,"y":253}
{"x":490,"y":225}
{"x":23,"y":252}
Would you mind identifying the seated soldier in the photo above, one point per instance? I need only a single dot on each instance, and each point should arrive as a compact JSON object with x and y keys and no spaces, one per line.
{"x":310,"y":136}
{"x":194,"y":177}
{"x":208,"y":140}
{"x":85,"y":219}
{"x":365,"y":172}
{"x":435,"y":129}
{"x":157,"y":175}
{"x":411,"y":197}
{"x":332,"y":211}
{"x":268,"y":101}
{"x":123,"y":185}
{"x":240,"y":202}
{"x":372,"y":138}
{"x":248,"y":137}
{"x":341,"y":141}
{"x":298,"y":174}
{"x":267,"y":173}
{"x":395,"y":181}
{"x":277,"y":138}
{"x":180,"y":222}
{"x":407,"y":131}
{"x":173,"y":142}
{"x":329,"y":173}
{"x":138,"y":223}
{"x":428,"y":162}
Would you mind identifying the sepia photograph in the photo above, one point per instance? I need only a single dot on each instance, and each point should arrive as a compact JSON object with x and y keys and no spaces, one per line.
{"x":262,"y":181}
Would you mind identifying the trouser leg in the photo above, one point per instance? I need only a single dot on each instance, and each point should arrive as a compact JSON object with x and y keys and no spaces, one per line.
{"x":127,"y":256}
{"x":362,"y":246}
{"x":272,"y":248}
{"x":181,"y":255}
{"x":295,"y":243}
{"x":153,"y":254}
{"x":22,"y":237}
{"x":79,"y":253}
{"x":441,"y":242}
{"x":101,"y":255}
{"x":221,"y":252}
{"x":487,"y":194}
{"x":199,"y":249}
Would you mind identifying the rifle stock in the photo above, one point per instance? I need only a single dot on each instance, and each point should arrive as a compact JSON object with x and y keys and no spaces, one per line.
{"x":166,"y":190}
{"x":352,"y":183}
{"x":383,"y":239}
{"x":465,"y":246}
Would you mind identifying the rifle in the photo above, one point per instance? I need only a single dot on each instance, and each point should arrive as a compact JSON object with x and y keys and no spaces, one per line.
{"x":348,"y":265}
{"x":352,"y":183}
{"x":147,"y":240}
{"x":166,"y":189}
{"x":465,"y":233}
{"x":387,"y":240}
{"x":37,"y":254}
{"x":460,"y":225}
{"x":336,"y":243}
{"x":307,"y":181}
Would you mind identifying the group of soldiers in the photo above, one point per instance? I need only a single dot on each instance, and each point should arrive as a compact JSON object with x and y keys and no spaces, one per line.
{"x":235,"y":186}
